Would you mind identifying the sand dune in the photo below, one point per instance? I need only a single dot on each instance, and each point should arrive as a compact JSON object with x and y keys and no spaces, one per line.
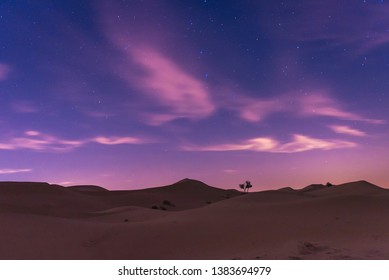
{"x":354,"y":188}
{"x":45,"y":199}
{"x":185,"y":194}
{"x":87,"y":188}
{"x":191,"y":220}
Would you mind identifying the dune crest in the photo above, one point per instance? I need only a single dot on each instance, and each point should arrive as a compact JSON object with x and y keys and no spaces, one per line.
{"x":192,"y":220}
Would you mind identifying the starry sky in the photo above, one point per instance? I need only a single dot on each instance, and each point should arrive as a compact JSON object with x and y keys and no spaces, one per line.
{"x":134,"y":94}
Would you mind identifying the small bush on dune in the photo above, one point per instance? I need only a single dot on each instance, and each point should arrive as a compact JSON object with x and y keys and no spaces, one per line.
{"x":246,"y":186}
{"x":160,"y":207}
{"x":168,"y":203}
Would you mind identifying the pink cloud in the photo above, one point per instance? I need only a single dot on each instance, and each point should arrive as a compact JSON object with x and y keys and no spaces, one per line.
{"x":161,"y":82}
{"x":13,"y":171}
{"x":37,"y":141}
{"x":343,"y":129}
{"x":230,"y":170}
{"x":315,"y":103}
{"x":32,"y":133}
{"x":34,"y":140}
{"x":4,"y":70}
{"x":170,"y":86}
{"x":117,"y":140}
{"x":255,"y":144}
{"x":257,"y":110}
{"x":321,"y":104}
{"x":300,"y":143}
{"x":158,"y":119}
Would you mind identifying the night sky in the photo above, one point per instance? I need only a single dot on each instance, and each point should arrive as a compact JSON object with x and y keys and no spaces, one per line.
{"x":132,"y":94}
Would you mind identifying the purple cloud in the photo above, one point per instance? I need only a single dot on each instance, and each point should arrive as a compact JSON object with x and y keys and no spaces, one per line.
{"x":117,"y":140}
{"x":343,"y":129}
{"x":320,"y":104}
{"x":35,"y":140}
{"x":261,"y":144}
{"x":255,"y":110}
{"x":300,"y":143}
{"x":170,"y":86}
{"x":315,"y":103}
{"x":4,"y":70}
{"x":160,"y":82}
{"x":13,"y":171}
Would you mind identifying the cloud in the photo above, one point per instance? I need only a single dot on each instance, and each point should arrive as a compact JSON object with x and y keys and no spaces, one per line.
{"x":180,"y":94}
{"x":32,"y":133}
{"x":347,"y":130}
{"x":255,"y":144}
{"x":314,"y":103}
{"x":12,"y":171}
{"x":24,"y":107}
{"x":4,"y":70}
{"x":257,"y":110}
{"x":158,"y":119}
{"x":300,"y":143}
{"x":162,"y":84}
{"x":321,"y":104}
{"x":230,"y":170}
{"x":35,"y":140}
{"x":117,"y":140}
{"x":164,"y":88}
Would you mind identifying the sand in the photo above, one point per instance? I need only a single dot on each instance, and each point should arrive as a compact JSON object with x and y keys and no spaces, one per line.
{"x":191,"y":220}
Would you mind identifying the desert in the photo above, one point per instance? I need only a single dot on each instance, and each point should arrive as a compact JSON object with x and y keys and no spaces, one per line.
{"x":191,"y":220}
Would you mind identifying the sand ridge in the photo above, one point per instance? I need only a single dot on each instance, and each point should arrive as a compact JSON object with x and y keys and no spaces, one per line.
{"x":191,"y":220}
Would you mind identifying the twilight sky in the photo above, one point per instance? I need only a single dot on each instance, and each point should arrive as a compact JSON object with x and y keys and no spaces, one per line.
{"x":131,"y":94}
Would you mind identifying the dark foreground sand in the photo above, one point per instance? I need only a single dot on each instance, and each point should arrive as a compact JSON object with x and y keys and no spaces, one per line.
{"x":42,"y":221}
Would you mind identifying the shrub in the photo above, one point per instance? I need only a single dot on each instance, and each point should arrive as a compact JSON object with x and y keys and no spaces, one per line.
{"x":246,"y":186}
{"x":168,"y":203}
